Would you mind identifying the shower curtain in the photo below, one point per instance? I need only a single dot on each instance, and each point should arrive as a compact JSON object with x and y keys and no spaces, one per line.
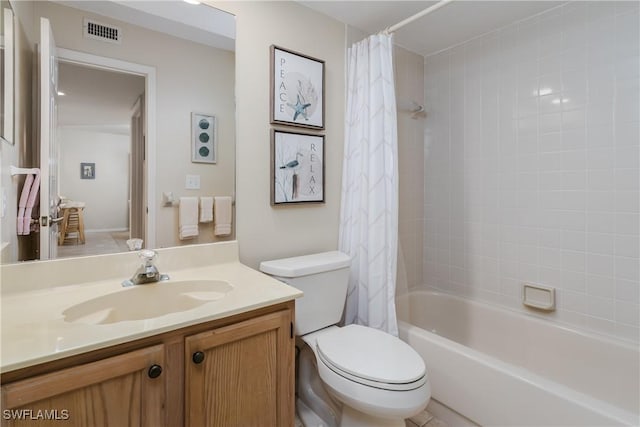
{"x":369,"y":207}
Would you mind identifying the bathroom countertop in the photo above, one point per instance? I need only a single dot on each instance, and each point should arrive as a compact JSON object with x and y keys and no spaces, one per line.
{"x":34,"y":330}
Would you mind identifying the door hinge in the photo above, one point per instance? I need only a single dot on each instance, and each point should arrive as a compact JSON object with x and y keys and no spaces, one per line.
{"x":44,"y":221}
{"x":291,"y":330}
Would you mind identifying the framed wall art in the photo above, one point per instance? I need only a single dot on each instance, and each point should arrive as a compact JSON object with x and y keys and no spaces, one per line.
{"x":87,"y":171}
{"x":297,"y":168}
{"x":297,"y":89}
{"x":203,"y":138}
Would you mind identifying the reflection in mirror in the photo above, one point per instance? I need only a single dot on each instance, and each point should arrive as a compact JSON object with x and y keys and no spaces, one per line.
{"x":6,"y":71}
{"x":129,"y":77}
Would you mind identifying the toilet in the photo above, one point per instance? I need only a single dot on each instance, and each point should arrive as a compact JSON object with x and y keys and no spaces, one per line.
{"x":351,"y":376}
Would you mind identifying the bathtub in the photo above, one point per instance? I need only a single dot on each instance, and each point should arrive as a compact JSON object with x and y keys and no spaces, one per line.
{"x":499,"y":367}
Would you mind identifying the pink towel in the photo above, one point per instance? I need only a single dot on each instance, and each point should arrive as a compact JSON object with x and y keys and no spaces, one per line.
{"x":24,"y":197}
{"x":33,"y":193}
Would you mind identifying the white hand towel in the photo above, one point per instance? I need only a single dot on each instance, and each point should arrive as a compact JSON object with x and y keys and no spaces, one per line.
{"x":222,"y":214}
{"x":206,"y":209}
{"x":188,"y":212}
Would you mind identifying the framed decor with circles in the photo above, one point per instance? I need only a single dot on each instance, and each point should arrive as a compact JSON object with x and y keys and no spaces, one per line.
{"x":203,"y":138}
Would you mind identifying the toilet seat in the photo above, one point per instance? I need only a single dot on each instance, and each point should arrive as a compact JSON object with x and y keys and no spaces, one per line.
{"x":371,"y":357}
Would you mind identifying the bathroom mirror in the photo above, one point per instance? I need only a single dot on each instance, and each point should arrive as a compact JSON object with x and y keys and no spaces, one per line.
{"x":129,"y":77}
{"x":6,"y":71}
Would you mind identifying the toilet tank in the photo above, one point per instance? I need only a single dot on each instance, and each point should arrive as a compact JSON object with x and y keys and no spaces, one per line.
{"x":323,"y":278}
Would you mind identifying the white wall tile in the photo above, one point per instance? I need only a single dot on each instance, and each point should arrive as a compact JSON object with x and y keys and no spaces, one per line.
{"x":574,"y":240}
{"x":600,"y":286}
{"x":600,"y":200}
{"x":627,"y":268}
{"x":601,"y":265}
{"x":627,"y":313}
{"x":574,"y":261}
{"x":602,"y":308}
{"x":627,"y":246}
{"x":601,"y":243}
{"x":627,"y":290}
{"x":540,"y":186}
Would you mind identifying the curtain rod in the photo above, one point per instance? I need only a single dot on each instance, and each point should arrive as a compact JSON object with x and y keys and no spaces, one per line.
{"x":418,"y":15}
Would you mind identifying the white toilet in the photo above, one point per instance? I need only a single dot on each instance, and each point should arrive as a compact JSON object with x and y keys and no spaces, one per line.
{"x":377,"y":379}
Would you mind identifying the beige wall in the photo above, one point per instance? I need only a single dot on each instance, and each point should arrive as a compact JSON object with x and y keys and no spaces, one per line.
{"x":265,"y":232}
{"x":17,"y":154}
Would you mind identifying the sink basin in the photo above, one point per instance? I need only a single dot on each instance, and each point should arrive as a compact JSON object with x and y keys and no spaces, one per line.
{"x":147,"y":301}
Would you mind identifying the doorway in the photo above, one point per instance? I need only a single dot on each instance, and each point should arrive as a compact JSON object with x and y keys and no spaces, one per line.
{"x":102,"y":130}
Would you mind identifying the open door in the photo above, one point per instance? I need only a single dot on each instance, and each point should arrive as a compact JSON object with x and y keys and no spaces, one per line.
{"x":48,"y":89}
{"x":137,"y":197}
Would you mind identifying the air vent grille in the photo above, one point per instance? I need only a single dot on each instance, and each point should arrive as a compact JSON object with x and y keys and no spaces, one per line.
{"x":99,"y":31}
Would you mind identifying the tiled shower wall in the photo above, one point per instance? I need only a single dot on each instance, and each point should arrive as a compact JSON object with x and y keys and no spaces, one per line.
{"x":409,"y":76}
{"x":531,"y":165}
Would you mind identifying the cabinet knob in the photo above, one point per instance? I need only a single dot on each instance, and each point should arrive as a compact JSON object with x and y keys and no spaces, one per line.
{"x":198,"y":357}
{"x":155,"y":371}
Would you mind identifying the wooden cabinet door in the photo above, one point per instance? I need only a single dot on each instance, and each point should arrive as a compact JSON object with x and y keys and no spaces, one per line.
{"x":241,"y":375}
{"x":117,"y":391}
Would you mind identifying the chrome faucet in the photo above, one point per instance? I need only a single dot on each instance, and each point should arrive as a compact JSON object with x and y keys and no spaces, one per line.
{"x":147,"y":272}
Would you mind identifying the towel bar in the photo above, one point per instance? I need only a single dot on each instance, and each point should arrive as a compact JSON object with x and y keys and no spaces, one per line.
{"x":176,"y":203}
{"x":23,"y":171}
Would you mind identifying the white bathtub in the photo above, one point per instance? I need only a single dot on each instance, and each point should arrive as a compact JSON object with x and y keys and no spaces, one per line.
{"x":500,"y":367}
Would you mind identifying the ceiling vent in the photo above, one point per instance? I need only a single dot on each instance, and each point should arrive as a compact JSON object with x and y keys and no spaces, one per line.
{"x":99,"y":31}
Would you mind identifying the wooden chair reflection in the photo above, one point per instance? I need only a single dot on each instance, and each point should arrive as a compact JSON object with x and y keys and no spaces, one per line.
{"x":72,"y":224}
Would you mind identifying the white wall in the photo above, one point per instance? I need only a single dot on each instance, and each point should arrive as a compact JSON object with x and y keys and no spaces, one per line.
{"x":266,"y":232}
{"x":190,"y":77}
{"x":106,"y":196}
{"x":522,"y":186}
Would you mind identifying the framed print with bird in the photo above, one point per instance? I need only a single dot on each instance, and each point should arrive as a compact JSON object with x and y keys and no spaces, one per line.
{"x":297,"y":89}
{"x":297,"y":167}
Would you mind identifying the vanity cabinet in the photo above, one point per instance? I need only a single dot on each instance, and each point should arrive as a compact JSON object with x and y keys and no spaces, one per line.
{"x":239,"y":375}
{"x":236,"y":371}
{"x":124,"y":390}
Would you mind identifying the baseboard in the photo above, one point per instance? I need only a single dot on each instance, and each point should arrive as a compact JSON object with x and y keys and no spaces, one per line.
{"x":105,"y":230}
{"x":448,"y":415}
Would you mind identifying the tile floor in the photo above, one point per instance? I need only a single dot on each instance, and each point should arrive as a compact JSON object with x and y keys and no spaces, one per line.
{"x":96,"y":243}
{"x":425,"y":419}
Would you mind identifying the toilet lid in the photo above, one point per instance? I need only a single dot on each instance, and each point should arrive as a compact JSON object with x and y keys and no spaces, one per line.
{"x":370,"y":354}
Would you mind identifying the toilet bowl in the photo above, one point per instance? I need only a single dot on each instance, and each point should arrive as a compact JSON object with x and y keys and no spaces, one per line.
{"x":378,"y":379}
{"x":371,"y":372}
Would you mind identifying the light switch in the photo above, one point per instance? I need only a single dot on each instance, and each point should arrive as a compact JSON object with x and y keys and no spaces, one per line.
{"x":193,"y":182}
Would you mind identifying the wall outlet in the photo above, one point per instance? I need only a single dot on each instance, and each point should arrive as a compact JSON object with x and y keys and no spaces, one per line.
{"x":192,"y":182}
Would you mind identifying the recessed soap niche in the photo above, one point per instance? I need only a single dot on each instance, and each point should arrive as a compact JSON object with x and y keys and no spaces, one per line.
{"x":539,"y":297}
{"x":203,"y":138}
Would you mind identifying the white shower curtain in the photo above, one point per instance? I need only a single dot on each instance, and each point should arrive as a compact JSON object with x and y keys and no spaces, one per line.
{"x":369,"y":208}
